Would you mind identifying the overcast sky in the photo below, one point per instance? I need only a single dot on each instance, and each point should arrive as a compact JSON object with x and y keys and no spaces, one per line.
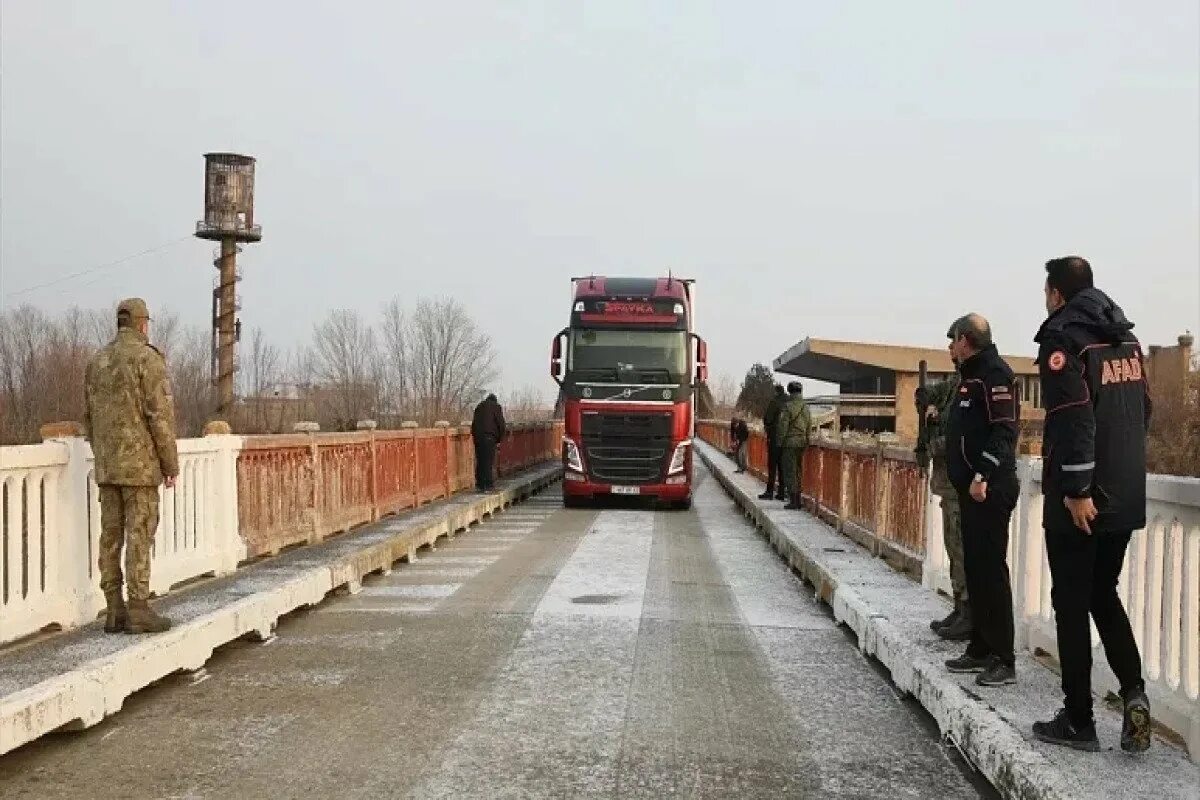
{"x":864,"y":170}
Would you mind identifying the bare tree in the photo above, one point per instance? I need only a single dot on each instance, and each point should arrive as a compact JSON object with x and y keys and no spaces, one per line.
{"x":395,"y":362}
{"x":725,"y":394}
{"x":260,"y":381}
{"x":451,"y":359}
{"x":188,"y":365}
{"x":528,"y":404}
{"x":25,"y":335}
{"x":345,"y":364}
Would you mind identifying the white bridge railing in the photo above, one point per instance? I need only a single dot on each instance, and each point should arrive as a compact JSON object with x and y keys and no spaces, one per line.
{"x":50,"y":529}
{"x":1160,"y":587}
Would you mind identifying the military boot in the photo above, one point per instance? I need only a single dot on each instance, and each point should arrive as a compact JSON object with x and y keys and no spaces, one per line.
{"x":143,"y":619}
{"x":115,"y":616}
{"x":959,"y":630}
{"x":794,"y":504}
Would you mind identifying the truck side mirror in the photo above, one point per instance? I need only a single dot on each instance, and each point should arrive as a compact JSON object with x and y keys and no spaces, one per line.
{"x":556,"y":356}
{"x":701,"y":360}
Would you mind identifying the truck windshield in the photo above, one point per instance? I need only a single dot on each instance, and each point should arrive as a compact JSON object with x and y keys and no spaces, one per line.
{"x":628,"y":356}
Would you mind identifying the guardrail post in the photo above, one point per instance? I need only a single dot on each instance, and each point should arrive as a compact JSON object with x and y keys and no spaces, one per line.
{"x":233,"y":547}
{"x":67,"y":515}
{"x":411,"y":426}
{"x":444,"y":425}
{"x":369,"y":426}
{"x":312,"y":429}
{"x":844,"y":476}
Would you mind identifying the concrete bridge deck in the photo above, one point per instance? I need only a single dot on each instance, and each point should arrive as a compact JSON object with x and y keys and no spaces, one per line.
{"x":546,"y":653}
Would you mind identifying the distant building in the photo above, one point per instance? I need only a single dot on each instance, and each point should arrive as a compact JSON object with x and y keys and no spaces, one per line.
{"x":1168,"y":369}
{"x":877,"y":382}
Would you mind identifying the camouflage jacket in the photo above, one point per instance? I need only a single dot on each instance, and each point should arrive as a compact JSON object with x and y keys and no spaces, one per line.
{"x":130,"y":414}
{"x":933,"y":441}
{"x":795,"y":423}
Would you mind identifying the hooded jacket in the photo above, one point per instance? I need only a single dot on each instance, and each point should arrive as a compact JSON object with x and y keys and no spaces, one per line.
{"x":488,"y":420}
{"x":1097,"y":412}
{"x":981,"y":428}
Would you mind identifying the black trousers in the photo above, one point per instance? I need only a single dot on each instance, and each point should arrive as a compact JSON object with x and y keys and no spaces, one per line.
{"x":485,"y":462}
{"x":1085,"y":569}
{"x":985,"y":556}
{"x":774,"y":454}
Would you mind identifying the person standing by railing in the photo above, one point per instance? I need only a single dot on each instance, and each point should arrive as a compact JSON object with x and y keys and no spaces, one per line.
{"x":487,"y":430}
{"x":795,"y":425}
{"x":774,"y":451}
{"x":130,"y":419}
{"x":740,"y":433}
{"x":1094,"y":493}
{"x":981,"y":442}
{"x":935,"y":403}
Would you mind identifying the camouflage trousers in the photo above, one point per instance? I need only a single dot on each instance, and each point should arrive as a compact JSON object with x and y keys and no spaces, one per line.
{"x":128,"y":518}
{"x":791,"y":463}
{"x":952,"y":535}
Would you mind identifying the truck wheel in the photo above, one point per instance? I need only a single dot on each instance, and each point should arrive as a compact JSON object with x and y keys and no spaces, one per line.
{"x":572,"y":502}
{"x":682,"y":505}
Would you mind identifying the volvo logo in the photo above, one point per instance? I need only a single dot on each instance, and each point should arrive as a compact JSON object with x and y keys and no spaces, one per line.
{"x":627,"y":393}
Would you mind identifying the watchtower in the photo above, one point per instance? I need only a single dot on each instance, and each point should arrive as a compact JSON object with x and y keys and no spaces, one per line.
{"x":228,"y":219}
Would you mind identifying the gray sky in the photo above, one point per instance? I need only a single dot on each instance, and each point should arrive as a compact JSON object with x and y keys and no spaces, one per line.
{"x":864,"y":170}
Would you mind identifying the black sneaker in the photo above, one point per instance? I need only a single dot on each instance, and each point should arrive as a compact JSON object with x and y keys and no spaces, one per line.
{"x":941,"y":623}
{"x":960,"y":630}
{"x":767,"y":496}
{"x":1135,"y":733}
{"x":997,"y":674}
{"x":1060,"y":731}
{"x":969,"y":663}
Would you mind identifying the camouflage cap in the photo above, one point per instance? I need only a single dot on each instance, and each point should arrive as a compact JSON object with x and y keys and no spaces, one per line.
{"x":134,"y":308}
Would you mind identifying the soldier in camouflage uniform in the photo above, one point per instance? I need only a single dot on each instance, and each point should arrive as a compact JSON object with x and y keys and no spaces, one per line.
{"x":935,"y":404}
{"x":792,"y":436}
{"x":131,"y":423}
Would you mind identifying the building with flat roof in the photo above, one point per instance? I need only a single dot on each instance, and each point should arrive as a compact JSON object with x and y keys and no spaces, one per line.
{"x":877,"y":382}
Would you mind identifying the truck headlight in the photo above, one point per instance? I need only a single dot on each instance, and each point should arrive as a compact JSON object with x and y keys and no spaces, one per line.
{"x":572,"y":456}
{"x":679,"y":458}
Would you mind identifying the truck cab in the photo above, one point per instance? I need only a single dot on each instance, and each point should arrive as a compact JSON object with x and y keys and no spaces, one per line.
{"x":628,"y":366}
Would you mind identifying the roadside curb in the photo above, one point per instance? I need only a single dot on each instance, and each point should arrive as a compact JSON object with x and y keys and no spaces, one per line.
{"x":985,"y":738}
{"x":86,"y":693}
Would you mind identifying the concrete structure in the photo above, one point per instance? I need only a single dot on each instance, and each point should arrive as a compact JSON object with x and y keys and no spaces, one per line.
{"x":877,"y":381}
{"x":1167,"y":368}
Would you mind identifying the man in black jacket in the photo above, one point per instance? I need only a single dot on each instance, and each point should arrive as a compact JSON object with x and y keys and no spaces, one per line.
{"x":774,"y":450}
{"x":740,"y":433}
{"x":981,"y":443}
{"x":1094,"y":493}
{"x":487,"y":429}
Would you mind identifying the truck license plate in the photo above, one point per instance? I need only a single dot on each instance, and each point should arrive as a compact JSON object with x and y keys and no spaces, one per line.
{"x":626,"y":490}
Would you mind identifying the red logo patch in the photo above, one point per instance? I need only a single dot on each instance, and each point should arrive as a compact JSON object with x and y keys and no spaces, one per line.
{"x":1057,"y":360}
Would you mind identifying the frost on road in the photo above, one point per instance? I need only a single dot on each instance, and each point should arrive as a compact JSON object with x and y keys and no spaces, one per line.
{"x":547,"y":653}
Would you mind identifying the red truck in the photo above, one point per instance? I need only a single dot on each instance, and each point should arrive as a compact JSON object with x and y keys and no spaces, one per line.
{"x":628,"y":367}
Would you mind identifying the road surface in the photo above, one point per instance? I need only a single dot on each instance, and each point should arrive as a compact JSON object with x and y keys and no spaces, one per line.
{"x":546,"y":653}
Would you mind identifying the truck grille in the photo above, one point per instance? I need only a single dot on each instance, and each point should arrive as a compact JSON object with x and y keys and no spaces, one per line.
{"x":626,"y":448}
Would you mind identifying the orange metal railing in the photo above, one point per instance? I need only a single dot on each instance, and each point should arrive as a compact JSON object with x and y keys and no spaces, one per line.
{"x":305,"y":487}
{"x":875,"y":491}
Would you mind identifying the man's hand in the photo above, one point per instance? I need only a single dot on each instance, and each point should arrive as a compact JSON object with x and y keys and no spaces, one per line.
{"x":1083,"y":511}
{"x":169,"y":482}
{"x":931,"y":414}
{"x":979,"y":491}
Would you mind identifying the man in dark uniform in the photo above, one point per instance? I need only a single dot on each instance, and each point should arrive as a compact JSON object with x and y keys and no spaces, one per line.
{"x":740,"y":433}
{"x":774,"y":450}
{"x":487,"y":429}
{"x":981,"y":444}
{"x":1094,"y":493}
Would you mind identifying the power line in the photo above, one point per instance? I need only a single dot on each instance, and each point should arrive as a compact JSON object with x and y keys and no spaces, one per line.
{"x":97,"y":268}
